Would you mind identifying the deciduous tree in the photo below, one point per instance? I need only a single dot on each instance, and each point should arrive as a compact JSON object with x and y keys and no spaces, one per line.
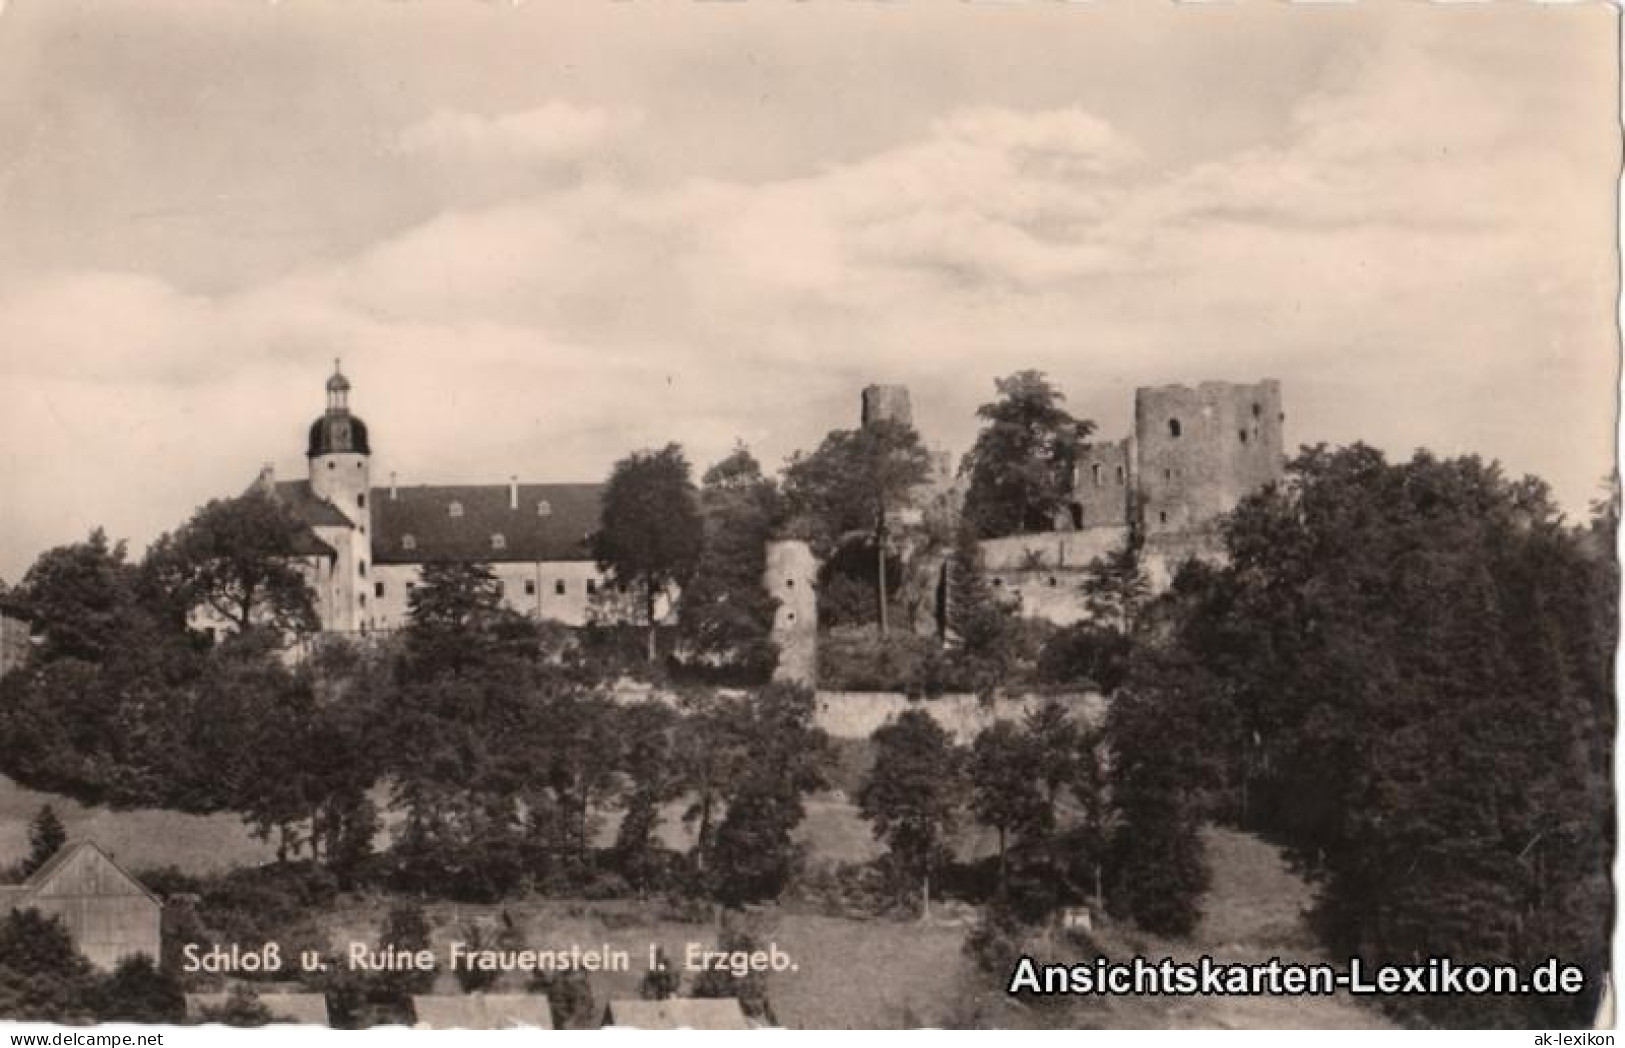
{"x":1020,"y":468}
{"x":853,"y":486}
{"x":912,"y":795}
{"x":650,"y":536}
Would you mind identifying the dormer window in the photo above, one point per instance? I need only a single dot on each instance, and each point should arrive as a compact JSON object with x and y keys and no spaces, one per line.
{"x":499,"y":541}
{"x":409,"y":542}
{"x":455,"y":509}
{"x":544,"y":508}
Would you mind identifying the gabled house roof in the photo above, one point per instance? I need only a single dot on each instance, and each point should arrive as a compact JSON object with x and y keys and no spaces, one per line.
{"x":19,"y":895}
{"x":463,"y":522}
{"x":678,"y":1013}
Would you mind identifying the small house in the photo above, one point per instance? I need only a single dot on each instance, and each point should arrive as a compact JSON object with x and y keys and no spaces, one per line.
{"x":107,"y":912}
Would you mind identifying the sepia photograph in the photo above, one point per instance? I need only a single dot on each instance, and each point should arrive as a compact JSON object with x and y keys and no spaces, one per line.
{"x":777,"y":515}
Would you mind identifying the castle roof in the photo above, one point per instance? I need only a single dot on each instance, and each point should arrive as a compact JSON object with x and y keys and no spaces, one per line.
{"x":309,"y":506}
{"x":481,"y":523}
{"x":338,"y":432}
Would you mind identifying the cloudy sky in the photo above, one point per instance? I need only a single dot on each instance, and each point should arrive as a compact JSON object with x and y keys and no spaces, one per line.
{"x":541,"y":235}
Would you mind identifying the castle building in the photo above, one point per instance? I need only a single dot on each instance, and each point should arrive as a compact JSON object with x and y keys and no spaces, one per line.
{"x":1194,"y":454}
{"x":366,"y":545}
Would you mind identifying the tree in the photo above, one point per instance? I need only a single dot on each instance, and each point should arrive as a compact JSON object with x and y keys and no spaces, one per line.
{"x":46,"y":836}
{"x":987,"y":630}
{"x":1405,"y":674}
{"x":650,"y":535}
{"x":754,"y":853}
{"x":241,"y":1007}
{"x":749,"y":989}
{"x":1160,"y":873}
{"x":1004,"y":792}
{"x":43,"y":978}
{"x":1020,"y":468}
{"x":84,"y":600}
{"x":1116,"y":588}
{"x":406,"y":928}
{"x":237,"y":558}
{"x":662,"y":981}
{"x":650,"y":764}
{"x":138,"y":991}
{"x":912,"y":794}
{"x":726,"y":614}
{"x":853,"y":486}
{"x":457,"y":621}
{"x":569,"y":995}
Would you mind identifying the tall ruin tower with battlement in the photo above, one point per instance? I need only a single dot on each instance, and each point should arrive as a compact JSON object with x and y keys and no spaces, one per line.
{"x":1200,"y":451}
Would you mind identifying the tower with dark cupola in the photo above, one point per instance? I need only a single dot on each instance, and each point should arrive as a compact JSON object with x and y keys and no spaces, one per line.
{"x":340,"y":458}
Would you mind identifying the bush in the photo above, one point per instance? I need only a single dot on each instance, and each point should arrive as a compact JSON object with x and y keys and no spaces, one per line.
{"x":1085,"y":654}
{"x":858,"y":660}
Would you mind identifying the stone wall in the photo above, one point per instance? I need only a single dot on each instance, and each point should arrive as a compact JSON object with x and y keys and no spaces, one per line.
{"x":1103,"y":484}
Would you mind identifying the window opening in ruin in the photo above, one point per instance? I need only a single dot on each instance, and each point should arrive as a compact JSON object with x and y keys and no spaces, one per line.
{"x":409,"y":542}
{"x":1243,"y":435}
{"x":499,"y":541}
{"x":1173,"y":427}
{"x":455,"y":509}
{"x":544,"y":508}
{"x":361,"y":501}
{"x":1120,"y":475}
{"x":1162,"y":517}
{"x":1098,"y":471}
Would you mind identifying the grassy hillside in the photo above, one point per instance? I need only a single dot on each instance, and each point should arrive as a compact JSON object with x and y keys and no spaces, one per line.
{"x":138,"y":838}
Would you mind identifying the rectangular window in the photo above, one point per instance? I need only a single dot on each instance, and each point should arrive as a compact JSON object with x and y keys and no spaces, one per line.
{"x":530,"y":586}
{"x":378,"y":587}
{"x":592,"y":586}
{"x":558,"y":587}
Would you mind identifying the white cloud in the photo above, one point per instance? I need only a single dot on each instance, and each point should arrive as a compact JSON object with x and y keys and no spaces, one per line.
{"x":555,"y":133}
{"x":1411,"y":248}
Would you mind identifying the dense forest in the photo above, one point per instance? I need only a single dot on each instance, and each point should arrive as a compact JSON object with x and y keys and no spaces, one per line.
{"x":1402,"y":674}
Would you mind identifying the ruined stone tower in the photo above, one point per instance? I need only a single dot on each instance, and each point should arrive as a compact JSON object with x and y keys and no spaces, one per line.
{"x":887,"y":404}
{"x":1198,"y":452}
{"x":791,"y":576}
